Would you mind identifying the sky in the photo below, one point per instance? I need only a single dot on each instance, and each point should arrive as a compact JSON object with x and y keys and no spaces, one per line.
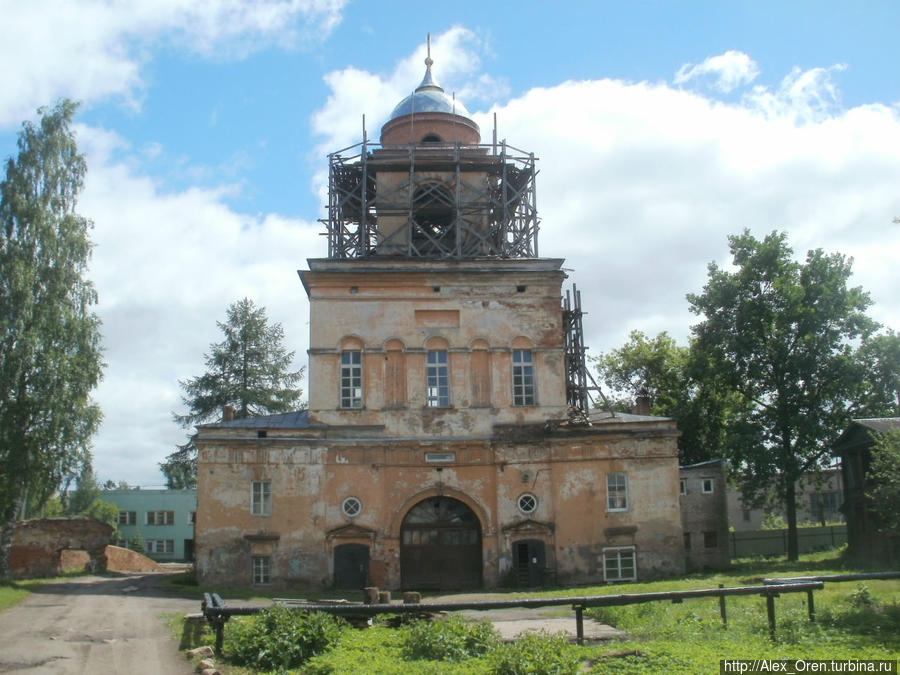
{"x":660,"y":129}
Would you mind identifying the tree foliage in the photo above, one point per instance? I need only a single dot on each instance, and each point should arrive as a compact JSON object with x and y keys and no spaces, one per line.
{"x":780,"y":334}
{"x":49,"y":335}
{"x":667,"y":372}
{"x":249,"y":370}
{"x":884,"y":479}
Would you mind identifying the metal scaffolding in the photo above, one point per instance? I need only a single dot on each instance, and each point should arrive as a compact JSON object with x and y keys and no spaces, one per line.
{"x":451,"y":200}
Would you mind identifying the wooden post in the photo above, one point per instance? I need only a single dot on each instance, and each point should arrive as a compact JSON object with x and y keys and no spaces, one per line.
{"x":220,"y":634}
{"x":770,"y":610}
{"x":579,"y":624}
{"x":810,"y":607}
{"x":722,"y":608}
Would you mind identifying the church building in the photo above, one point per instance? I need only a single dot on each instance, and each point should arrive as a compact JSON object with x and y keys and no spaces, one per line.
{"x":449,"y":442}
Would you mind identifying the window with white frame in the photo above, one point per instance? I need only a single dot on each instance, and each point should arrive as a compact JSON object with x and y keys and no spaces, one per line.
{"x":523,"y":377}
{"x":352,"y":506}
{"x":682,"y":486}
{"x":527,"y":503}
{"x":159,"y":546}
{"x":261,"y":569}
{"x":160,"y":518}
{"x":438,"y":374}
{"x":619,"y":564}
{"x":192,"y":518}
{"x":261,"y":498}
{"x":617,"y":491}
{"x":127,"y":518}
{"x":351,"y":379}
{"x":707,"y":485}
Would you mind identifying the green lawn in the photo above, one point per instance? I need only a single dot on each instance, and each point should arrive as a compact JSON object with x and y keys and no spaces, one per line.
{"x":854,"y":621}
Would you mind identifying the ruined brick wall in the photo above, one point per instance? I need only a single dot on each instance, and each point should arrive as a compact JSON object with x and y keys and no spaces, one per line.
{"x":45,"y":547}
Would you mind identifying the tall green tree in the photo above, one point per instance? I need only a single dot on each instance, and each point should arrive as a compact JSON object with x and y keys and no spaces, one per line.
{"x":249,"y":370}
{"x":50,"y":353}
{"x":780,"y":334}
{"x":883,"y":491}
{"x":667,"y":373}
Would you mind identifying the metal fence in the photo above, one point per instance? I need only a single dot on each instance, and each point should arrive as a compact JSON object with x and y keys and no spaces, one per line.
{"x":774,"y":542}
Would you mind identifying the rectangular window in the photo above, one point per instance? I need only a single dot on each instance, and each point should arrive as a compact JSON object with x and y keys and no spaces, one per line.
{"x":160,"y":517}
{"x":687,"y":541}
{"x":351,"y":379}
{"x":261,"y":498}
{"x":160,"y":546}
{"x":708,"y":485}
{"x":523,"y":377}
{"x":438,"y":372}
{"x":683,"y":487}
{"x":710,"y":539}
{"x":618,"y":564}
{"x":192,"y":518}
{"x":261,"y":569}
{"x":617,"y":491}
{"x":127,"y":517}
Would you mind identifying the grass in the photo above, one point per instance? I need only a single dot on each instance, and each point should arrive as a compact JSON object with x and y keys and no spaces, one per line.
{"x":854,"y":621}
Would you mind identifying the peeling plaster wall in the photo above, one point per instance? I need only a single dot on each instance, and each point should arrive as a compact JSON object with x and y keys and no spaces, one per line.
{"x":311,"y":478}
{"x":460,"y":304}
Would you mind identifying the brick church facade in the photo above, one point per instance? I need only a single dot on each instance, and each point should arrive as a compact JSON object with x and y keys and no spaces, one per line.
{"x":448,"y":442}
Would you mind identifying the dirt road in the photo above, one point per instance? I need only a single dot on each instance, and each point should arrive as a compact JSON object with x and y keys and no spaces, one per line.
{"x":95,"y":625}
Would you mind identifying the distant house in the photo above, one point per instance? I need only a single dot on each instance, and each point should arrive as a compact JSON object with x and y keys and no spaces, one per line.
{"x":819,"y":499}
{"x":704,"y":514}
{"x":158,"y":522}
{"x":854,"y":447}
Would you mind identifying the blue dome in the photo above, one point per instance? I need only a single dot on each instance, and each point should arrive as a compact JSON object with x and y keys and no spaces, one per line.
{"x":428,"y":97}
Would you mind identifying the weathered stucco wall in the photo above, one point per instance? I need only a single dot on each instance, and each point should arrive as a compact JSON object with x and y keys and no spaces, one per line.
{"x":463,"y":308}
{"x":704,"y":515}
{"x":310,"y":480}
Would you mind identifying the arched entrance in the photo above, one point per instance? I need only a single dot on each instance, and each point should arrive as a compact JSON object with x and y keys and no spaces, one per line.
{"x":440,"y":545}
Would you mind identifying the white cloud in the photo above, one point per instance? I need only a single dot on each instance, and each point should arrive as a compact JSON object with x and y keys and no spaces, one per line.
{"x":724,"y":72}
{"x":93,"y":49}
{"x":166,"y":265}
{"x":641,"y":184}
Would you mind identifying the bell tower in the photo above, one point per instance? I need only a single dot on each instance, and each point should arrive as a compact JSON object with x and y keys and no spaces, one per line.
{"x":433,"y":315}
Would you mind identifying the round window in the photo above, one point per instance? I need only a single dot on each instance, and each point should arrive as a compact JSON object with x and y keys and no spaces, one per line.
{"x":527,"y":503}
{"x":352,"y":506}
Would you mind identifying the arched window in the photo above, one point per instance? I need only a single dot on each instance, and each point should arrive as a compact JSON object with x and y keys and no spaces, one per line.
{"x":432,"y":138}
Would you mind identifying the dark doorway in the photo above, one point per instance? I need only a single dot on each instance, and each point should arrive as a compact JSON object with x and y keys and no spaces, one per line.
{"x":351,"y":566}
{"x":441,"y":546}
{"x":189,"y":550}
{"x":530,"y":561}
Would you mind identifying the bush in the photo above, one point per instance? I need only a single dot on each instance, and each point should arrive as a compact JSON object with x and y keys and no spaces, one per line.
{"x":280,"y":638}
{"x":452,"y":639}
{"x":537,"y":653}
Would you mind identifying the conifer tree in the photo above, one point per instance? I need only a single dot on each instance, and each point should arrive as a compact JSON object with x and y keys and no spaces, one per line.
{"x":249,"y":370}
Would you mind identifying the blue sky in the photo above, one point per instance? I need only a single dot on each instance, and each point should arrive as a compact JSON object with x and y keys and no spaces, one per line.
{"x":660,"y":128}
